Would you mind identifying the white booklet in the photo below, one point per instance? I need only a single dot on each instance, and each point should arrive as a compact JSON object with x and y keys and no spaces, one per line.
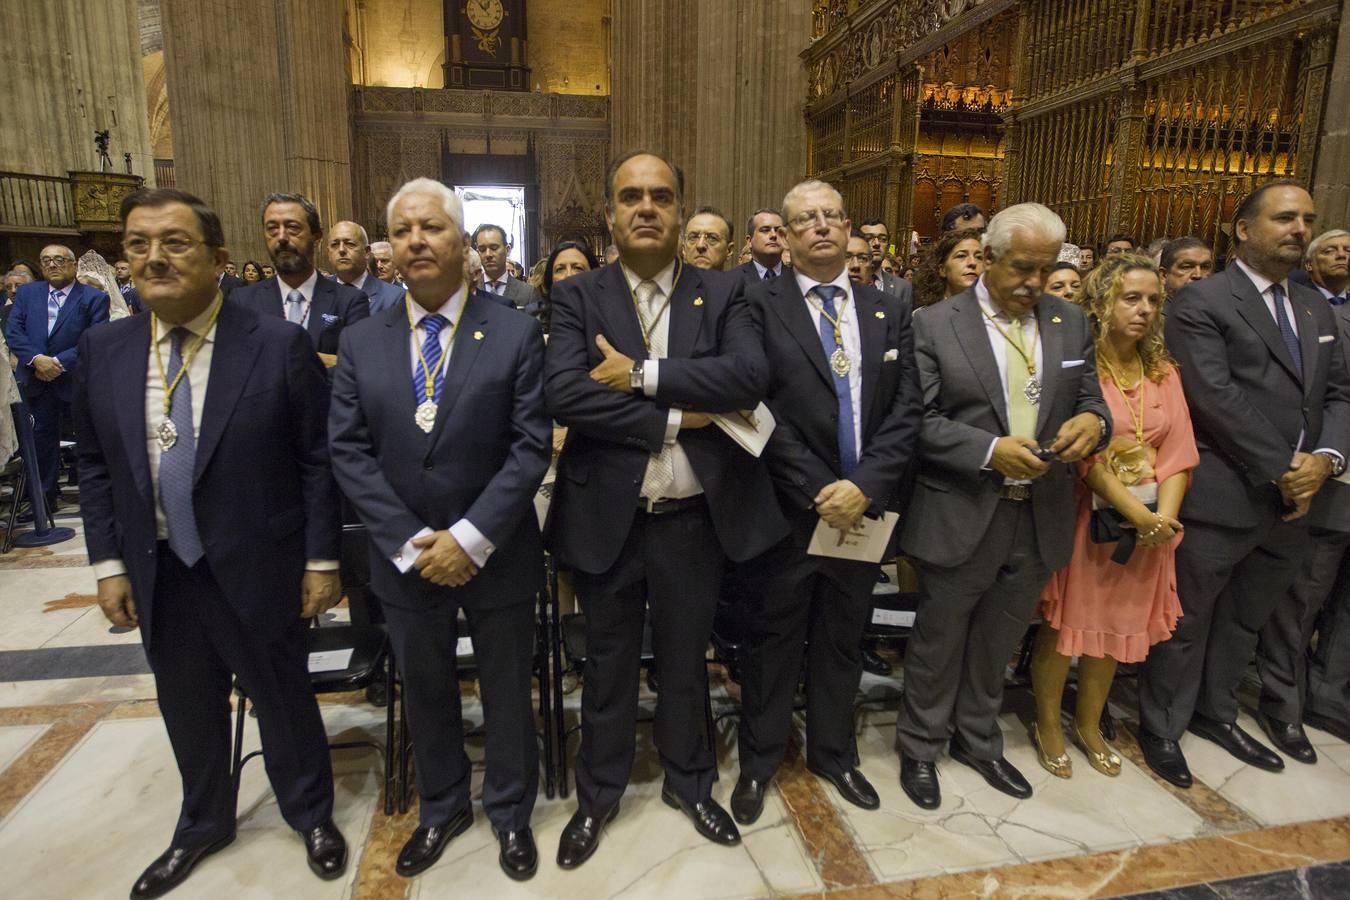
{"x":865,"y":542}
{"x":330,"y":660}
{"x":750,"y":430}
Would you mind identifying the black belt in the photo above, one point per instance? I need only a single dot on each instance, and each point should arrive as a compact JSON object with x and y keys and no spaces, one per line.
{"x":1017,"y":493}
{"x":665,"y":507}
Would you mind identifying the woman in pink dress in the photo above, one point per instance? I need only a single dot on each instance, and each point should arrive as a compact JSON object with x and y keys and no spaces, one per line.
{"x":1101,"y":611}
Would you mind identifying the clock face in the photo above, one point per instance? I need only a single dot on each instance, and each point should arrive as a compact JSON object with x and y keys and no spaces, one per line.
{"x":484,"y":14}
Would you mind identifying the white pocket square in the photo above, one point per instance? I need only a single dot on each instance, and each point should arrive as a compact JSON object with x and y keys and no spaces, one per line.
{"x":890,"y":355}
{"x":1070,"y":363}
{"x":329,"y":318}
{"x":1325,"y":338}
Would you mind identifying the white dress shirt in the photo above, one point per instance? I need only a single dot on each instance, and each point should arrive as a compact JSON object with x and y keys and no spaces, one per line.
{"x":466,"y":534}
{"x":359,"y":283}
{"x":686,"y":483}
{"x":307,"y":289}
{"x":491,"y":286}
{"x":776,"y":270}
{"x":198,"y":378}
{"x":848,"y":330}
{"x":999,"y":343}
{"x":62,"y":295}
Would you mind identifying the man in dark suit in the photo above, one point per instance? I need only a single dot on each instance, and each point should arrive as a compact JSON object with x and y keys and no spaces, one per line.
{"x":1265,"y":379}
{"x":440,"y":440}
{"x":298,"y":293}
{"x":219,"y":534}
{"x":845,"y":398}
{"x":878,"y":238}
{"x":349,"y":254}
{"x":43,"y":332}
{"x":228,"y":282}
{"x":494,"y":248}
{"x":650,"y":501}
{"x":1006,"y":370}
{"x":1299,"y":684}
{"x":764,"y":231}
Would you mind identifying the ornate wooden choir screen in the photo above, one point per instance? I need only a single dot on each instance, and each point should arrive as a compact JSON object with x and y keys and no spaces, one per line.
{"x":1145,"y":116}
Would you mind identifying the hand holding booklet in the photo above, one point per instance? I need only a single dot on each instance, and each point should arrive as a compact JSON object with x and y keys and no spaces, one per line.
{"x":750,"y":430}
{"x":864,"y":542}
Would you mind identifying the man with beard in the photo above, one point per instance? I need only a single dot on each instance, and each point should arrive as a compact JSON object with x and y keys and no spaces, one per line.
{"x":707,"y":239}
{"x":348,"y":249}
{"x":297,"y":294}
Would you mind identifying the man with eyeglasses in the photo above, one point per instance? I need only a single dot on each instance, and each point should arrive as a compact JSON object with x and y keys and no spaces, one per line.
{"x":858,"y":258}
{"x":878,"y":240}
{"x":43,"y":332}
{"x":707,"y":239}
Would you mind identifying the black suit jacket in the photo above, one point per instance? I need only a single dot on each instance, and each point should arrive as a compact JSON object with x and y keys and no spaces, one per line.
{"x":1331,"y":506}
{"x":334,"y":307}
{"x":483,"y":460}
{"x":715,"y":363}
{"x":1247,"y":403}
{"x":264,"y":496}
{"x":229,"y":283}
{"x":803,"y":453}
{"x":748,"y":274}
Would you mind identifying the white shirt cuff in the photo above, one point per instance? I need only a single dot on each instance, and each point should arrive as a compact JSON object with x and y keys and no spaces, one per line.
{"x":407,"y":554}
{"x":321,"y":565}
{"x":989,"y":456}
{"x":674,"y":419}
{"x":1329,"y":452}
{"x":472,"y":542}
{"x":651,"y":374}
{"x":107,"y":568}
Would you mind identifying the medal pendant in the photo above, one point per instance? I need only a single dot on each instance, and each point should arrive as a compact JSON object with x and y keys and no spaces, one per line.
{"x":426,"y":416}
{"x":166,"y":434}
{"x":840,"y":363}
{"x":1033,"y":391}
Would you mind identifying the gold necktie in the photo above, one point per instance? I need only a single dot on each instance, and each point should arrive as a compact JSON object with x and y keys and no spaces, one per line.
{"x":1021,"y":411}
{"x":660,"y":473}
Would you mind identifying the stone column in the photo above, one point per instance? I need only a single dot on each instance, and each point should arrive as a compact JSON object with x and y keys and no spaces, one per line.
{"x":258,"y":98}
{"x":1330,"y":186}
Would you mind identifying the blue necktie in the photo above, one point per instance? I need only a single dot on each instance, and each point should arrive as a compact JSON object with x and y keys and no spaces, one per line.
{"x":176,"y":464}
{"x":431,"y":352}
{"x":1287,"y":329}
{"x":848,"y":449}
{"x":53,"y":309}
{"x":1337,"y":300}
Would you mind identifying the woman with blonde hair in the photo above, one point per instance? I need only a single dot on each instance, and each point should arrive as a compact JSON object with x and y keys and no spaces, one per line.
{"x":1118,"y":596}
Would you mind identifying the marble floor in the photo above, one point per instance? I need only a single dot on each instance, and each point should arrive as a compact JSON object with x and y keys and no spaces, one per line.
{"x":89,"y":794}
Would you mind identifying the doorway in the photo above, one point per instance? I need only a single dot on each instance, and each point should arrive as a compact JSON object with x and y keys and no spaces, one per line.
{"x":501,"y":205}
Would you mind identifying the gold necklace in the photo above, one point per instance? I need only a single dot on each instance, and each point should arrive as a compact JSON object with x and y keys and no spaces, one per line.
{"x":1137,"y":421}
{"x":1033,"y":389}
{"x":426,"y":410}
{"x":166,"y":433}
{"x":840,"y":363}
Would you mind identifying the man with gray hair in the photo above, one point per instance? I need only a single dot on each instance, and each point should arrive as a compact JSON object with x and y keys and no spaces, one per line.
{"x":439,"y":440}
{"x":348,"y":252}
{"x":1011,"y":388}
{"x":13,"y":279}
{"x":382,"y":262}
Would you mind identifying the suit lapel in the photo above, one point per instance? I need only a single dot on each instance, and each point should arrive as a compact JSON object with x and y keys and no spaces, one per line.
{"x":972,"y":335}
{"x":397,"y":350}
{"x":686,"y":317}
{"x":232,"y":355}
{"x":1307,"y":336}
{"x":321,"y":304}
{"x":1051,"y":327}
{"x":470,"y":335}
{"x":1252,"y":307}
{"x":618,"y":314}
{"x":68,"y":308}
{"x":871,"y":312}
{"x":790,"y":306}
{"x":128,"y":360}
{"x":267,"y":298}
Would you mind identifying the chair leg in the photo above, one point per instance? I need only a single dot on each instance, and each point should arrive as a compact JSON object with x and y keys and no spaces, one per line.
{"x":389,"y":747}
{"x":20,"y":483}
{"x":404,"y":747}
{"x":237,"y":763}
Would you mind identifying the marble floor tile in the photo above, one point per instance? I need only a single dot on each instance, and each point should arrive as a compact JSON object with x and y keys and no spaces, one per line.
{"x":104,"y":812}
{"x":1299,"y":793}
{"x":36,"y":604}
{"x":92,"y":629}
{"x":15,"y":739}
{"x":76,"y":690}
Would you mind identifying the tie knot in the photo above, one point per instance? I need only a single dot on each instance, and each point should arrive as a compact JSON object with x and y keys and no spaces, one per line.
{"x":1276,"y":293}
{"x":647,"y":291}
{"x":295,"y":297}
{"x":176,"y":338}
{"x":434,"y":323}
{"x":827,"y":294}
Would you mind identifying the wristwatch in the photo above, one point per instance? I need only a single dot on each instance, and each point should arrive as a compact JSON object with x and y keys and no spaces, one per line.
{"x":1337,"y":463}
{"x":635,"y":375}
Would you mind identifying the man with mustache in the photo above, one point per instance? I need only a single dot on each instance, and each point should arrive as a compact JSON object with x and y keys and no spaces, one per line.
{"x":1265,"y":378}
{"x":319,"y":305}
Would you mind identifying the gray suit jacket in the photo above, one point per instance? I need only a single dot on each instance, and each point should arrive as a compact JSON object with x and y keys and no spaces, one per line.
{"x":897,"y":287}
{"x":1331,"y":506}
{"x":1248,"y":405}
{"x":522,"y":296}
{"x":966,"y":409}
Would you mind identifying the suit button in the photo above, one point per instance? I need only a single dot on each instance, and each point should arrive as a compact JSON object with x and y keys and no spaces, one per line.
{"x":427,"y":465}
{"x":834,"y":417}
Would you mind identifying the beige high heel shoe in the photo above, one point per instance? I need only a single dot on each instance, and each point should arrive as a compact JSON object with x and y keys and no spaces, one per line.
{"x":1060,"y":766}
{"x":1106,"y":763}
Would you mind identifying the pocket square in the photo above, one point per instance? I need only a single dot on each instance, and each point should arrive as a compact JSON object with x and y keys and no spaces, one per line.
{"x":1071,"y":363}
{"x":1325,"y":338}
{"x":329,"y":318}
{"x":890,"y":355}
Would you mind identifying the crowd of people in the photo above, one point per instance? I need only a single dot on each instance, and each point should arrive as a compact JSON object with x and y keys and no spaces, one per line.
{"x":1145,"y":454}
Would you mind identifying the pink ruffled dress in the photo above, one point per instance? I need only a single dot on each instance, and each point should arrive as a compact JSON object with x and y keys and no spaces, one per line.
{"x":1101,"y":608}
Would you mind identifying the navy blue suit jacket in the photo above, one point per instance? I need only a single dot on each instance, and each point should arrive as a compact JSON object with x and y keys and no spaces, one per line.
{"x":264,"y":495}
{"x":26,"y":331}
{"x":333,"y":308}
{"x":483,"y":460}
{"x":380,"y":294}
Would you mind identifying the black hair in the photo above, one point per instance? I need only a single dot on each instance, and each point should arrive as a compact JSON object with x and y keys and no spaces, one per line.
{"x":959,"y":211}
{"x":620,"y":160}
{"x":153,"y":198}
{"x":311,"y":211}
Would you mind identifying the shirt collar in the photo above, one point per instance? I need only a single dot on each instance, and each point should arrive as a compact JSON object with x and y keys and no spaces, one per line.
{"x":62,"y":292}
{"x":776,"y":270}
{"x":359,"y":284}
{"x":665,"y":279}
{"x":806,"y":284}
{"x":1328,"y":294}
{"x":489,"y":282}
{"x":451,"y":309}
{"x":986,"y":301}
{"x":1262,"y":282}
{"x":307,"y":289}
{"x":196,"y":326}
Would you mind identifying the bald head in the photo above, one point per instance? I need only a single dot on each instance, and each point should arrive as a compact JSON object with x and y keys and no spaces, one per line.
{"x":58,"y":265}
{"x":348,"y":249}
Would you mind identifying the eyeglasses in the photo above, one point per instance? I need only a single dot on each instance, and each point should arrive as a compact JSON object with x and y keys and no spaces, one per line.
{"x":693,"y":237}
{"x":173,"y":246}
{"x":57,"y":261}
{"x":858,"y":257}
{"x":804,"y":220}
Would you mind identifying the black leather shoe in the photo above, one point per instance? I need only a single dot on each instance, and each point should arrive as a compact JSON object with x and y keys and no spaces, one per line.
{"x":1107,"y":725}
{"x":581,"y":836}
{"x":919,"y":779}
{"x":747,"y":800}
{"x":1334,"y":727}
{"x":710,"y":820}
{"x":519,"y":857}
{"x":1242,"y":745}
{"x":1000,"y":774}
{"x":427,"y":844}
{"x":327,"y":851}
{"x":852,"y":786}
{"x":377,"y":693}
{"x":1164,"y":757}
{"x":1289,"y":737}
{"x":172,"y":867}
{"x":874,"y":663}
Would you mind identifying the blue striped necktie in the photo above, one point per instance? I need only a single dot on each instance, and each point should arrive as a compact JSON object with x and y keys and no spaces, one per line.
{"x":53,"y":309}
{"x":178,"y":463}
{"x":431,"y":352}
